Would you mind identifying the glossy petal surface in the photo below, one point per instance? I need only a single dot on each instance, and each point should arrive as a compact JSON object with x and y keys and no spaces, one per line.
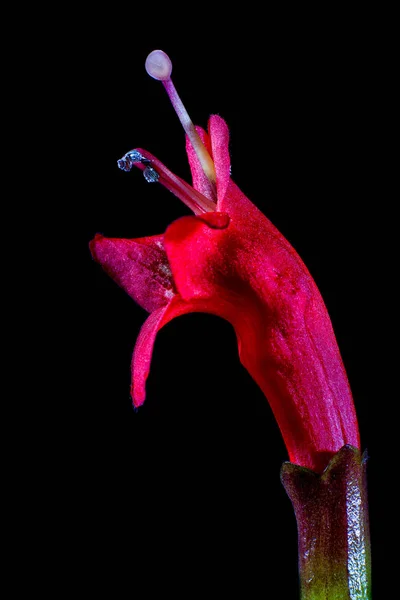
{"x":235,"y":264}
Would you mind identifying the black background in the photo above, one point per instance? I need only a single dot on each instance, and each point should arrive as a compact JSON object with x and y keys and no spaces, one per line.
{"x":184,"y":497}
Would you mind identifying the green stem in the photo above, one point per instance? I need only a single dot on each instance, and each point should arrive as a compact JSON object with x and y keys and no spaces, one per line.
{"x":333,"y":528}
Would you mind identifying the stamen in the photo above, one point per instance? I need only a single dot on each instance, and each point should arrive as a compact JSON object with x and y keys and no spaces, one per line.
{"x":158,"y":65}
{"x":126,"y":162}
{"x":154,"y":170}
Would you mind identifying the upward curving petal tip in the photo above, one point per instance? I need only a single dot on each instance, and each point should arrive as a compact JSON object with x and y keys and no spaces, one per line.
{"x":219,"y":136}
{"x":142,"y":354}
{"x":140,"y":266}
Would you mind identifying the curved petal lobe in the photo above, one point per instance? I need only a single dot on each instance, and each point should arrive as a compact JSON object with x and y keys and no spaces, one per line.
{"x":140,"y":266}
{"x":141,"y":359}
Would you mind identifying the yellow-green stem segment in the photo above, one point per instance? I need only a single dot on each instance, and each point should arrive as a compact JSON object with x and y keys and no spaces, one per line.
{"x":333,"y":527}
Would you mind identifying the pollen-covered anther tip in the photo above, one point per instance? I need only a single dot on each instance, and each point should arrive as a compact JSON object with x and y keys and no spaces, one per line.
{"x":124,"y":164}
{"x":158,"y":65}
{"x":151,"y":175}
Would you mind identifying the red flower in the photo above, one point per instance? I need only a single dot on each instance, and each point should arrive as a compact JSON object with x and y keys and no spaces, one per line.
{"x":230,"y":261}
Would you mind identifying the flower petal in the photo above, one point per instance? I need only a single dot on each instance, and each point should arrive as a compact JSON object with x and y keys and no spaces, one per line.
{"x":140,"y":266}
{"x":199,"y":180}
{"x":217,"y":144}
{"x":143,"y":351}
{"x":249,"y":274}
{"x":142,"y":354}
{"x":219,"y":136}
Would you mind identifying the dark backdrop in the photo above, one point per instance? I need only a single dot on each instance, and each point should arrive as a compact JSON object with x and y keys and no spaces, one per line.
{"x":184,"y":496}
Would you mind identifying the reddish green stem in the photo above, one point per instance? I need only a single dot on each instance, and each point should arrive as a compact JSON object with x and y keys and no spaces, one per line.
{"x":333,"y":528}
